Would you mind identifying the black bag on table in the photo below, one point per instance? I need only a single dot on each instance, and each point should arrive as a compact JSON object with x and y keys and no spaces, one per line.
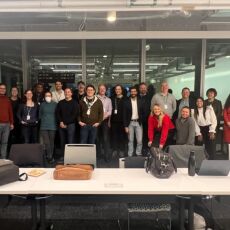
{"x":9,"y":172}
{"x":160,"y":164}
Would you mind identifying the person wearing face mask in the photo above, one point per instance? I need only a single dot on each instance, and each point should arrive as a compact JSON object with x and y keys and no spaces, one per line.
{"x":48,"y":124}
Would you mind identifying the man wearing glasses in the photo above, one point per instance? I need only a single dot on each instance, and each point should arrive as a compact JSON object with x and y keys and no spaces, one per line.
{"x":6,"y":120}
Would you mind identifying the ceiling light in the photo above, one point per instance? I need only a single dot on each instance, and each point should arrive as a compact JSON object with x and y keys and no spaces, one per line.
{"x":227,"y":56}
{"x":105,"y":56}
{"x":111,"y":16}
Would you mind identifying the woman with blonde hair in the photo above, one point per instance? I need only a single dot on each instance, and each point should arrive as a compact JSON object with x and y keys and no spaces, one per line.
{"x":160,"y":128}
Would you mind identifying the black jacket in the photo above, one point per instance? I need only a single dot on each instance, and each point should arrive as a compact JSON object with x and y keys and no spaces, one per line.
{"x":192,"y":105}
{"x":127,"y":111}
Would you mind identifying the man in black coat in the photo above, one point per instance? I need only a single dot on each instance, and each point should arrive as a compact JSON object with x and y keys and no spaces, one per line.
{"x":132,"y":119}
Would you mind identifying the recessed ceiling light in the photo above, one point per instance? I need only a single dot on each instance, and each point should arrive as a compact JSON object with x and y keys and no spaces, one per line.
{"x":105,"y":56}
{"x":111,"y":16}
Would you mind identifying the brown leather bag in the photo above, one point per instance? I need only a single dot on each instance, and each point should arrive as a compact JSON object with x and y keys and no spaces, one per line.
{"x":73,"y":172}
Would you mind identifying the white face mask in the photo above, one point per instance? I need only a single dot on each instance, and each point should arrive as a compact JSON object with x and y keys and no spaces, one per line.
{"x":48,"y":99}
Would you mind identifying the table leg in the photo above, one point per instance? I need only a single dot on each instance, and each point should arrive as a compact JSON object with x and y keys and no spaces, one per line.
{"x":42,"y":214}
{"x":181,"y":213}
{"x":33,"y":212}
{"x":191,"y":214}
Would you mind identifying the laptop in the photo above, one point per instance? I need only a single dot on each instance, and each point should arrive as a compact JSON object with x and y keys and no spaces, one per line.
{"x":214,"y":168}
{"x":80,"y":154}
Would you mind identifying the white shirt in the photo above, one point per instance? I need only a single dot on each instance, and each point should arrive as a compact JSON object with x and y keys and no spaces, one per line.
{"x":56,"y":96}
{"x":134,"y":109}
{"x":208,"y":120}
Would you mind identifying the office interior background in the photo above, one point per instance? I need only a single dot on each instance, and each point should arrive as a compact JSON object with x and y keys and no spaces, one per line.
{"x":185,"y":42}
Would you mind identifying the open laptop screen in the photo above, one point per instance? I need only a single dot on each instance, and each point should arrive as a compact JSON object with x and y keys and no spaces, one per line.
{"x":80,"y":154}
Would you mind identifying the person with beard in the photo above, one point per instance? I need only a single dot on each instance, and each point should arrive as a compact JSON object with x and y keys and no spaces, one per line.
{"x":58,"y":94}
{"x":79,"y":93}
{"x":91,"y":115}
{"x":146,"y":102}
{"x":133,"y":112}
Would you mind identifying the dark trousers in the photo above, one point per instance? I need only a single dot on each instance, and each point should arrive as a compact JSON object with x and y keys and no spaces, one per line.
{"x":30,"y":134}
{"x":67,"y":136}
{"x":48,"y":137}
{"x":119,"y":137}
{"x":169,"y":141}
{"x":88,"y":134}
{"x":145,"y":138}
{"x":103,"y":140}
{"x":210,"y":145}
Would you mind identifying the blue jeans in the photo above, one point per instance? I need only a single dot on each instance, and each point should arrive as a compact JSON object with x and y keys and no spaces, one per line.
{"x":67,"y":136}
{"x":135,"y":128}
{"x":88,"y":134}
{"x":4,"y":135}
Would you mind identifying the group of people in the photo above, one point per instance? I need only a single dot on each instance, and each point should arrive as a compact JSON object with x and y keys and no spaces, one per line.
{"x":118,"y":125}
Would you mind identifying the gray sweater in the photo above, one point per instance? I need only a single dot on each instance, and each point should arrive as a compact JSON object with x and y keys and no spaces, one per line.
{"x":185,"y":131}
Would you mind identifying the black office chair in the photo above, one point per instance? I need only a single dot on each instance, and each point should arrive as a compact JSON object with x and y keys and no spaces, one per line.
{"x":158,"y":210}
{"x":27,"y":155}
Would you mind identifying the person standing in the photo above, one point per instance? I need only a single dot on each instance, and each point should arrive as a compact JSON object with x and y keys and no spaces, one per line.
{"x":133,"y":111}
{"x":15,"y":134}
{"x":91,"y":115}
{"x":58,"y":94}
{"x":160,"y":128}
{"x":185,"y":128}
{"x":205,"y":126}
{"x":39,"y":93}
{"x":48,"y":124}
{"x":6,"y":120}
{"x":216,"y":105}
{"x":146,"y":102}
{"x":186,"y":100}
{"x":103,"y":141}
{"x":28,"y":117}
{"x":79,"y":93}
{"x":67,"y":113}
{"x":118,"y":136}
{"x":227,"y":123}
{"x":165,"y":100}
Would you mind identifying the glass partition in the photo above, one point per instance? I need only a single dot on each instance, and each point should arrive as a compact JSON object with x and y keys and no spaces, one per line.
{"x":171,"y":60}
{"x":217,"y":73}
{"x":113,"y":62}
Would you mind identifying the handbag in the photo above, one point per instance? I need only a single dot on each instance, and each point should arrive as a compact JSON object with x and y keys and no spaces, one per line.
{"x":9,"y":172}
{"x":160,"y":163}
{"x":73,"y":172}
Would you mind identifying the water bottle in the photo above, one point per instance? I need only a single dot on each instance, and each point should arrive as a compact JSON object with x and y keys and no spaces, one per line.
{"x":191,"y":164}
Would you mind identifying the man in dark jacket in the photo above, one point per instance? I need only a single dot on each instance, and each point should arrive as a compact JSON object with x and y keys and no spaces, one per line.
{"x":186,"y":100}
{"x":146,"y":102}
{"x":133,"y":121}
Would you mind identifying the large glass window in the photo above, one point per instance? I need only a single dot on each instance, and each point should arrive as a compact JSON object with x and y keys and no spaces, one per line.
{"x":217,"y":73}
{"x":11,"y":64}
{"x":113,"y":62}
{"x":172,"y":60}
{"x":55,"y":60}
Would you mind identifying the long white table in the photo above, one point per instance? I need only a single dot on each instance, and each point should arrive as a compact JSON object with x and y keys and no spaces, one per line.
{"x":116,"y":182}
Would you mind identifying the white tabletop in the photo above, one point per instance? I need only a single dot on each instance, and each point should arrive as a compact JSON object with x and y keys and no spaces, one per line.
{"x":118,"y":181}
{"x":107,"y":181}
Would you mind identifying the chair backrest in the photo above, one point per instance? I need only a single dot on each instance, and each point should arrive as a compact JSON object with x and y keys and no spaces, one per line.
{"x":180,"y":154}
{"x":27,"y":155}
{"x":132,"y":162}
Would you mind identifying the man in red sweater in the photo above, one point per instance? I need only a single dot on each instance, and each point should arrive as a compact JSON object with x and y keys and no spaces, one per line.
{"x":6,"y":120}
